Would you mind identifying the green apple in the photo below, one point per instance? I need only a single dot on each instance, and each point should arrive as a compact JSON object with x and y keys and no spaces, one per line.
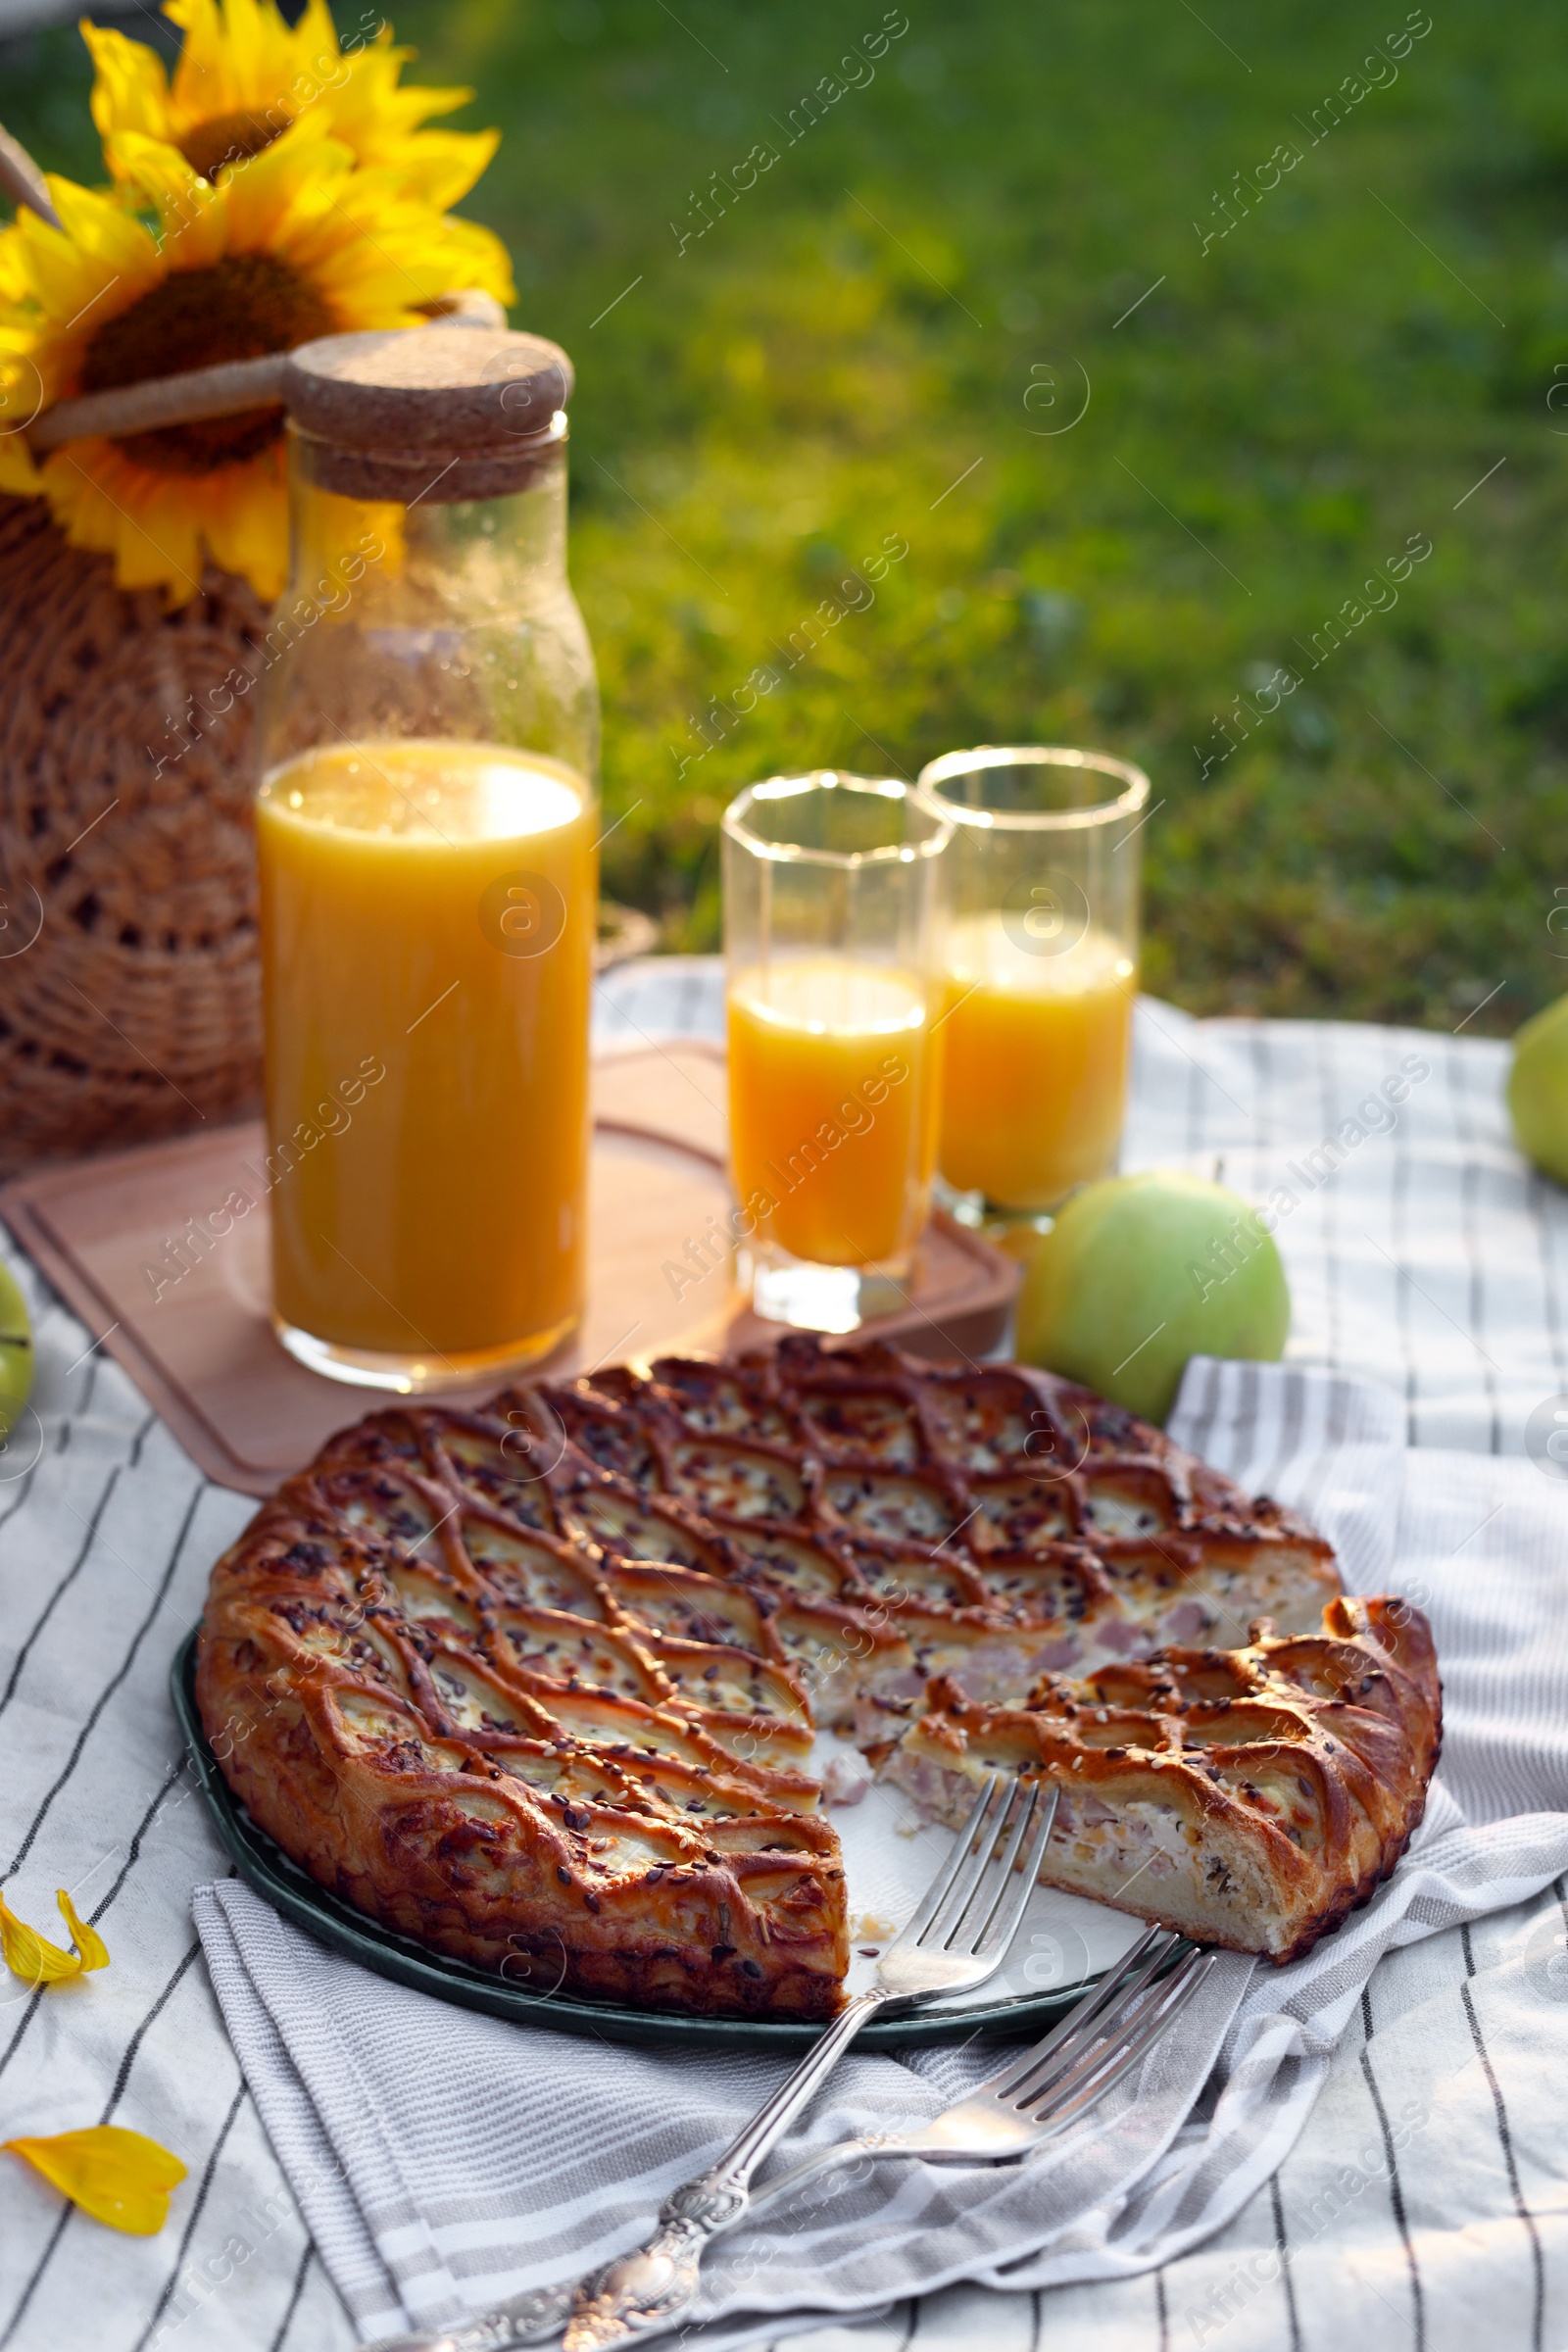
{"x":1140,"y":1272}
{"x":1537,"y":1090}
{"x":16,"y":1353}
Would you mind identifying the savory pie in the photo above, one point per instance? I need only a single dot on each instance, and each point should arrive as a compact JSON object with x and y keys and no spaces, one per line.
{"x":537,"y":1683}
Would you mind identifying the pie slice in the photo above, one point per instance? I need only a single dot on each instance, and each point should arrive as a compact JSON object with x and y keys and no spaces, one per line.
{"x":1247,"y":1798}
{"x":536,"y":1683}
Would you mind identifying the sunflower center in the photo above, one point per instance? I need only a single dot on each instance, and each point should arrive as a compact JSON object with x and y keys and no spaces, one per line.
{"x":241,"y":308}
{"x":230,"y":139}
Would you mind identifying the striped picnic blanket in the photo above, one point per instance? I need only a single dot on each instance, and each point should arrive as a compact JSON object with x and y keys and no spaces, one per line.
{"x":1422,"y":2202}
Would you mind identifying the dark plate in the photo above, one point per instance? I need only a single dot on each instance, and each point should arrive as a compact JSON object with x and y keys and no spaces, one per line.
{"x":264,"y":1866}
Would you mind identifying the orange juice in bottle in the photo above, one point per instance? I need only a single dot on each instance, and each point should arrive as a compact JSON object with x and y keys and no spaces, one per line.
{"x":425,"y":833}
{"x":427,"y":920}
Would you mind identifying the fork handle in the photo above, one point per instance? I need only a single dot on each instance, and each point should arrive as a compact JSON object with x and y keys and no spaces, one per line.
{"x":843,"y":2152}
{"x":645,"y":2288}
{"x":534,"y":2318}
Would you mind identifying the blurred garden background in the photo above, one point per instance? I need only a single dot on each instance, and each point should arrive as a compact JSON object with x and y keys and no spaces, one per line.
{"x":1038,"y":297}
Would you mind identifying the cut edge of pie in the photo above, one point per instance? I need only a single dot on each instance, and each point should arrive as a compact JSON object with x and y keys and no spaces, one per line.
{"x":1247,"y":1798}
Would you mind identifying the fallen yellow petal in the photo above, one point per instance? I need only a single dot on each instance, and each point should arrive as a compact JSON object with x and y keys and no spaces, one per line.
{"x":29,"y":1954}
{"x":89,"y":1943}
{"x":118,"y":2177}
{"x":34,"y":1957}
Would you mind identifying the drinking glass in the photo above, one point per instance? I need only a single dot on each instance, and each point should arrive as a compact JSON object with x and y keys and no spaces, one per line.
{"x":832,"y":954}
{"x":1039,"y":970}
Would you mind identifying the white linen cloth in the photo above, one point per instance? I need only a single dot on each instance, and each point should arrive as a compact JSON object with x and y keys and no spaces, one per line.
{"x":1456,"y":2237}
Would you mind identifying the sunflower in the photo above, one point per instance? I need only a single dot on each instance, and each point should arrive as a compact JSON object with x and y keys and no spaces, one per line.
{"x":244,"y":76}
{"x":295,"y":242}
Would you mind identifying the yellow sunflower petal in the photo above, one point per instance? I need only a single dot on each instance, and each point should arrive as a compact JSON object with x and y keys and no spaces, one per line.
{"x":121,"y":2177}
{"x":373,"y":103}
{"x":377,"y":290}
{"x":245,"y":521}
{"x":16,"y":282}
{"x":374,"y":252}
{"x":442,"y":166}
{"x":26,"y":391}
{"x":131,"y":90}
{"x":32,"y":1956}
{"x":378,"y":252}
{"x":380,"y":121}
{"x":295,"y":180}
{"x":98,"y":251}
{"x":234,"y":59}
{"x":192,"y":216}
{"x":320,"y":66}
{"x":84,"y":1935}
{"x":104,"y":501}
{"x":475,"y":256}
{"x":18,"y":473}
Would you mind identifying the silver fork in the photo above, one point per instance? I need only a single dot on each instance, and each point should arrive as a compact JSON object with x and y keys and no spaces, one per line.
{"x":1042,"y":2090}
{"x":960,"y":1935}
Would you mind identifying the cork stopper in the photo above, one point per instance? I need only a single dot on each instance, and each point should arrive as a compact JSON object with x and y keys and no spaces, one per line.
{"x":440,"y":412}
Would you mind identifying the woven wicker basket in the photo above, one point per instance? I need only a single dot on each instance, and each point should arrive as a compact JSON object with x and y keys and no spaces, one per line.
{"x":129,"y":997}
{"x":128,"y":1001}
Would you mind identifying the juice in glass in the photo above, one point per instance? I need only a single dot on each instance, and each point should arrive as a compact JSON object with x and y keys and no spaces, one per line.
{"x":1035,"y":1052}
{"x":1041,"y":970}
{"x":831,"y":912}
{"x":428,"y":919}
{"x":831,"y":1134}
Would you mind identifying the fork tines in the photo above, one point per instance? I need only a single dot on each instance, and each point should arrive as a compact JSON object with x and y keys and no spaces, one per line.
{"x":1108,"y":2033}
{"x":975,"y":1905}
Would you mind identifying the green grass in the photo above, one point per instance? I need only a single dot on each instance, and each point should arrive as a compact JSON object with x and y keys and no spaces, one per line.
{"x":809,"y":380}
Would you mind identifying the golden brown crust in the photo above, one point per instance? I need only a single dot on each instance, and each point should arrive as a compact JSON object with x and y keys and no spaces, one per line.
{"x":537,"y":1683}
{"x":1249,"y":1798}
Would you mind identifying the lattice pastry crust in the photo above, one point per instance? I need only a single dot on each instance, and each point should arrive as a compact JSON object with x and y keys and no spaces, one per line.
{"x":1249,"y":1798}
{"x":536,"y":1683}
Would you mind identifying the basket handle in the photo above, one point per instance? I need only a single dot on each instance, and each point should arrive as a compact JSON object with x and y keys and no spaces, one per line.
{"x":22,"y":179}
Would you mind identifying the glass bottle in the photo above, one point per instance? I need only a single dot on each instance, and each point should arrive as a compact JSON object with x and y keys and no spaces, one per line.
{"x":426,"y":830}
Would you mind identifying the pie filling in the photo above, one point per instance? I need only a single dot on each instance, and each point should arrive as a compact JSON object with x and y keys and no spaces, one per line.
{"x":536,"y":1683}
